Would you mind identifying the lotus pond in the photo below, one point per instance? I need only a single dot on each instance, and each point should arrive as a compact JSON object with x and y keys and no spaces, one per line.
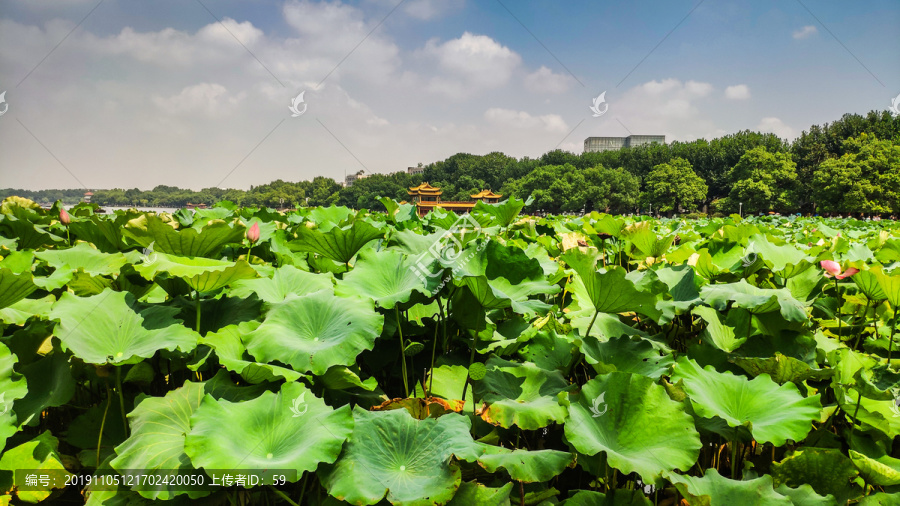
{"x":492,"y":358}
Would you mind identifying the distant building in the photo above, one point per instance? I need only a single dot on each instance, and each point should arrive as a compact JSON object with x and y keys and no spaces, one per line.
{"x":87,"y":196}
{"x":592,"y":144}
{"x":427,"y":197}
{"x":415,"y":170}
{"x":349,"y":179}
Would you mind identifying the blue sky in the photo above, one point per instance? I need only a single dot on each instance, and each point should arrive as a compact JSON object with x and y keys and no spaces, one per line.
{"x":147,"y":93}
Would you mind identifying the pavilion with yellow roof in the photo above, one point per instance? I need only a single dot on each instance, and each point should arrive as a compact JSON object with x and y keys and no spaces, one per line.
{"x":427,"y":197}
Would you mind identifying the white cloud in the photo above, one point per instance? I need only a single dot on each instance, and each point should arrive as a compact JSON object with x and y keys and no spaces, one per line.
{"x":774,"y":125}
{"x":521,"y":119}
{"x":544,"y":80}
{"x":805,"y":32}
{"x":670,"y":107}
{"x":210,"y":99}
{"x":471,"y":63}
{"x":737,"y":92}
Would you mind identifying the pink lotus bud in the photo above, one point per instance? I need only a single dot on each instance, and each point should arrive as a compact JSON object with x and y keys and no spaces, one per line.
{"x":64,"y":217}
{"x":253,"y":233}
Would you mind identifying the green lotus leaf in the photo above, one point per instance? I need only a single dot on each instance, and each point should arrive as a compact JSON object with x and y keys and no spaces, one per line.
{"x":782,"y":368}
{"x":500,"y":293}
{"x":617,"y":497}
{"x":503,"y":213}
{"x":340,"y":377}
{"x":40,"y":453}
{"x":230,"y":349}
{"x":879,"y":382}
{"x":550,"y":349}
{"x":105,"y":329}
{"x":50,"y":384}
{"x":890,"y":284}
{"x":292,"y":429}
{"x":201,"y":274}
{"x":521,"y":394}
{"x":826,"y":470}
{"x":20,"y":312}
{"x":391,"y":454}
{"x":635,"y":422}
{"x":523,"y":465}
{"x":447,"y":382}
{"x":84,"y":285}
{"x":286,"y":280}
{"x":868,"y":284}
{"x":316,"y":331}
{"x":339,"y":243}
{"x":787,"y":260}
{"x":756,"y":300}
{"x":12,"y":388}
{"x":15,"y":287}
{"x":28,"y":235}
{"x":717,"y":333}
{"x":609,"y":291}
{"x":626,"y":354}
{"x":150,"y":231}
{"x":471,"y":492}
{"x":715,"y":489}
{"x":85,"y":257}
{"x":772,"y":413}
{"x":881,"y":471}
{"x":158,"y":429}
{"x":388,"y":277}
{"x":804,"y":495}
{"x":880,"y":499}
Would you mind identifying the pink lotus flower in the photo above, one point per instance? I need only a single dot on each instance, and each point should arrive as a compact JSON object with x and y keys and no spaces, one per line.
{"x":253,"y":233}
{"x":833,"y":268}
{"x":64,"y":217}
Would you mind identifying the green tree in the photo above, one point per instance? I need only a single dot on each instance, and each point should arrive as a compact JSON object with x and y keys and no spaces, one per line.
{"x":866,"y":179}
{"x":674,"y":186}
{"x":763,"y":181}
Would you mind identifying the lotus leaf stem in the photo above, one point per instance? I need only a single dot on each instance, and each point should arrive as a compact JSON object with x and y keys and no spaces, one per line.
{"x":402,"y":351}
{"x":197,"y":304}
{"x":103,"y":423}
{"x":893,"y":328}
{"x":121,"y":399}
{"x":283,"y":496}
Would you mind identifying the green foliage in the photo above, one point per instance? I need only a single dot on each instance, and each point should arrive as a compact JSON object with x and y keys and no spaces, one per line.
{"x":763,"y":181}
{"x":674,"y":186}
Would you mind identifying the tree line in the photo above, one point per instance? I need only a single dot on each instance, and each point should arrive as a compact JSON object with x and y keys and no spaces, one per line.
{"x":851,"y":165}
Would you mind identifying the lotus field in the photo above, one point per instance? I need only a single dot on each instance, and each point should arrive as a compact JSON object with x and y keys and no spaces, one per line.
{"x":326,"y":356}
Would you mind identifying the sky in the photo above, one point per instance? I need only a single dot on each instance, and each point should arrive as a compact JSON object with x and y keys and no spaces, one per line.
{"x":198,"y":93}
